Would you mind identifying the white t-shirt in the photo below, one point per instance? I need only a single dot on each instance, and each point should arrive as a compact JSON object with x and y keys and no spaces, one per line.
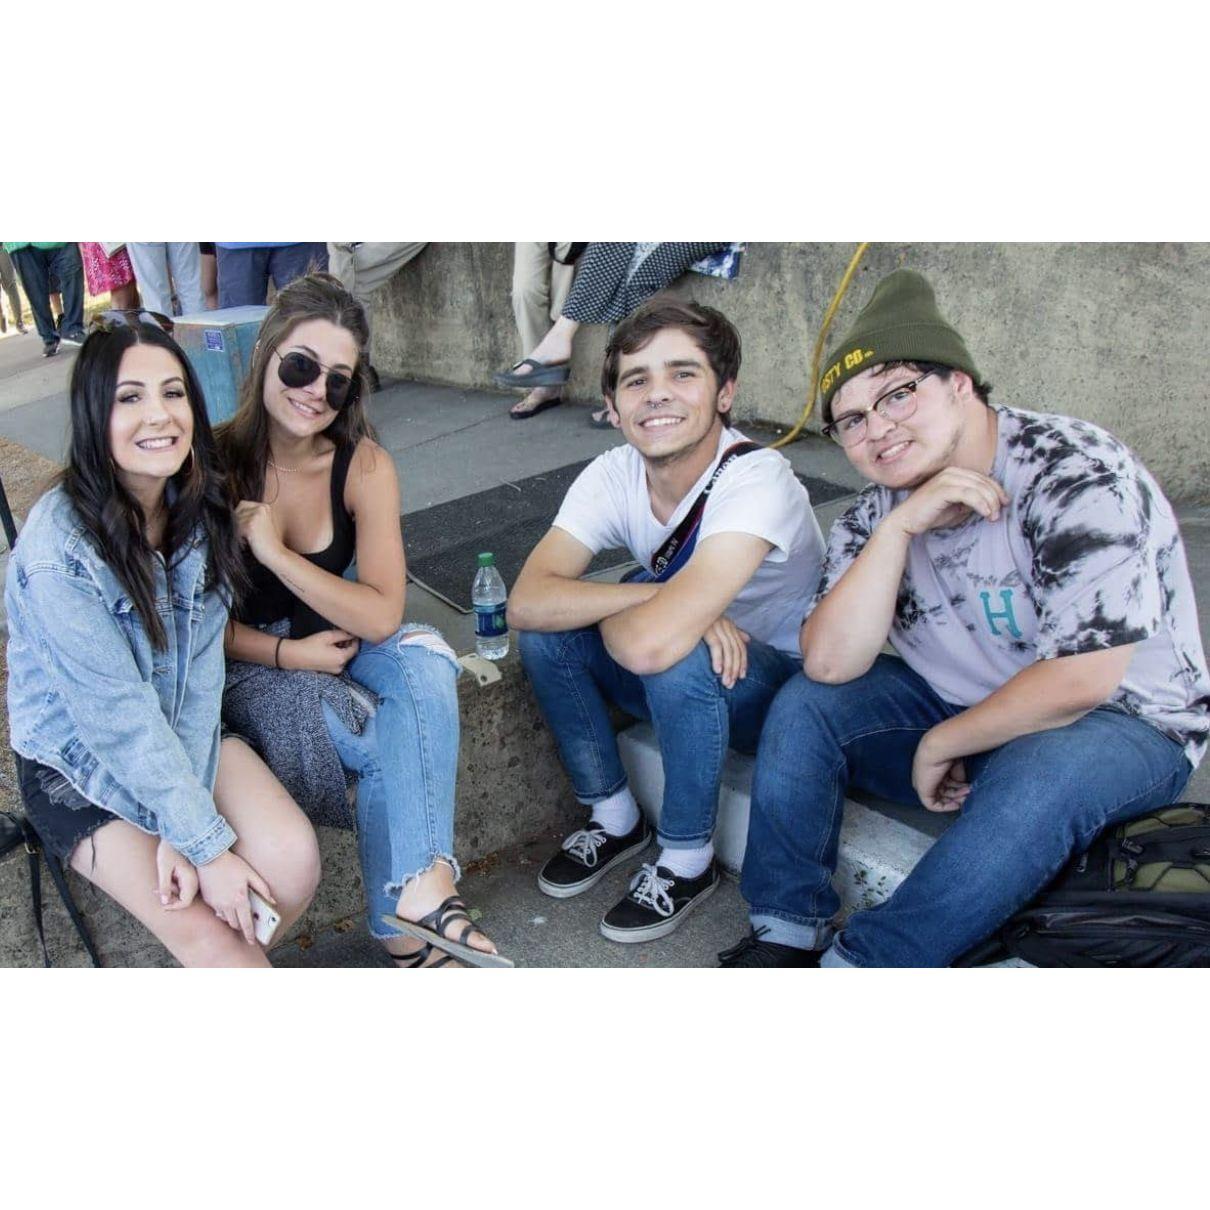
{"x":1086,"y":556}
{"x":609,"y":506}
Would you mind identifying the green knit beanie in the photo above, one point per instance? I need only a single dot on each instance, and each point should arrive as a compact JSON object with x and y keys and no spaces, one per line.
{"x":900,"y":323}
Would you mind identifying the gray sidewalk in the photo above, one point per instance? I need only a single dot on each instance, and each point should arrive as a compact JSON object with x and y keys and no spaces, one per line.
{"x":448,"y":443}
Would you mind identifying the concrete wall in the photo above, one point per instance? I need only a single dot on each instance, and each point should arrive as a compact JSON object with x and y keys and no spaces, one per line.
{"x":1113,"y":333}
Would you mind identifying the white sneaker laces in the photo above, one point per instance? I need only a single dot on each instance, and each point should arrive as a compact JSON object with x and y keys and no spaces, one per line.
{"x":583,"y":845}
{"x":650,"y":890}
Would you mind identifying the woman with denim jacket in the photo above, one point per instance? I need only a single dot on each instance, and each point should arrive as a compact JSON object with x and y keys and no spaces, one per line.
{"x":117,"y":597}
{"x":323,"y":676}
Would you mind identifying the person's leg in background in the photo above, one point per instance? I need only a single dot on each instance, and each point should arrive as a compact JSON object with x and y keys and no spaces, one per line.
{"x":185,"y":266}
{"x":33,"y":267}
{"x":8,"y":281}
{"x":292,"y":261}
{"x":243,"y":277}
{"x":67,"y":267}
{"x":540,"y":287}
{"x":56,"y":302}
{"x":209,"y":263}
{"x":150,"y":263}
{"x":363,"y":269}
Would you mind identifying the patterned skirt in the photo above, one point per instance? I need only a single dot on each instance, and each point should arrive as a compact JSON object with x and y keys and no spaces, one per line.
{"x":105,"y":273}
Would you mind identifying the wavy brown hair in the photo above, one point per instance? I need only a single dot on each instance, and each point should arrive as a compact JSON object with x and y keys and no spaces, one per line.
{"x":114,"y":519}
{"x":244,"y":439}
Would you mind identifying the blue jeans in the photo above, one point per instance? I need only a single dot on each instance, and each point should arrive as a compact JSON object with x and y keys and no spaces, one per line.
{"x":244,"y":273}
{"x":696,"y":719}
{"x":1033,"y":803}
{"x":406,"y":763}
{"x":36,"y":267}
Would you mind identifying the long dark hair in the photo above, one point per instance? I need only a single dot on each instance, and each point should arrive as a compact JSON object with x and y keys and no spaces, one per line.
{"x":243,"y":440}
{"x":112,"y":516}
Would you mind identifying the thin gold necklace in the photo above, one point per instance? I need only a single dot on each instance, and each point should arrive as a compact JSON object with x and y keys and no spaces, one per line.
{"x":285,"y":470}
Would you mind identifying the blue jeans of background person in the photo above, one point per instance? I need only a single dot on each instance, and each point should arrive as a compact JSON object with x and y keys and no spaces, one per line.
{"x":406,"y":764}
{"x":696,"y":719}
{"x":1033,"y":803}
{"x":244,"y":273}
{"x":36,"y":267}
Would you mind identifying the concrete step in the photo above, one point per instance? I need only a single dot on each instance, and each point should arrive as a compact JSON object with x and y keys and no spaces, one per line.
{"x":876,"y":851}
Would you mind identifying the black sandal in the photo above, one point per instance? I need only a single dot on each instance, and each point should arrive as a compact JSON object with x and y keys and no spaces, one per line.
{"x":431,"y":928}
{"x":420,"y":958}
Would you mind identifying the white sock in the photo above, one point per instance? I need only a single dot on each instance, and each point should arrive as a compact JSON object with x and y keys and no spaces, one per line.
{"x":618,"y":813}
{"x":687,"y":863}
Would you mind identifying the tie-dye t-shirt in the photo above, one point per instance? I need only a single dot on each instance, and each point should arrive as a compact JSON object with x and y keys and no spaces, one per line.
{"x":1086,"y":556}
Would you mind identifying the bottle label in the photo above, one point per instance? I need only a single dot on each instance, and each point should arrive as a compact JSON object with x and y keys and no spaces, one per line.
{"x":490,"y":622}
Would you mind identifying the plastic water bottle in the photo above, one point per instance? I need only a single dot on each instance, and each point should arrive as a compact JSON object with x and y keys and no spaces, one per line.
{"x":488,"y":596}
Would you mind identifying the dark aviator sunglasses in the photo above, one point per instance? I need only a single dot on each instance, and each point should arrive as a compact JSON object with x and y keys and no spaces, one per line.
{"x":297,"y":369}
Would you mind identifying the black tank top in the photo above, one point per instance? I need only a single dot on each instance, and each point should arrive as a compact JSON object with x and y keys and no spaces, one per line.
{"x":270,"y":600}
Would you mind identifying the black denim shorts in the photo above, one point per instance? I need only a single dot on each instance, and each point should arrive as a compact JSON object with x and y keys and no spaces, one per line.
{"x":62,"y":821}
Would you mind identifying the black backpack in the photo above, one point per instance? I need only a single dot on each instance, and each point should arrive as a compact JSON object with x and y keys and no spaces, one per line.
{"x":1139,"y":896}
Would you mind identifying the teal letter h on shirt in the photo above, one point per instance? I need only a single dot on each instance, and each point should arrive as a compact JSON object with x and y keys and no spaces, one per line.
{"x":1005,"y":615}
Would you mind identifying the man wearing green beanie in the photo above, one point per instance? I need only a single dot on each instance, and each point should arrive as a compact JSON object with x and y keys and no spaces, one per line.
{"x":1048,"y":681}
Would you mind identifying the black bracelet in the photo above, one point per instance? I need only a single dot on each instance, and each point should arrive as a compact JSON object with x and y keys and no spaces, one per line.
{"x":277,"y":653}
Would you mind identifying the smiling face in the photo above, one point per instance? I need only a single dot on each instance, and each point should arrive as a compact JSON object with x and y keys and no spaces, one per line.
{"x":304,"y":411}
{"x":151,"y":425}
{"x":668,"y":400}
{"x":905,"y":453}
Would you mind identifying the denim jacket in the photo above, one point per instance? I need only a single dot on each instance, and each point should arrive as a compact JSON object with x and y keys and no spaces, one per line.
{"x":132,"y":729}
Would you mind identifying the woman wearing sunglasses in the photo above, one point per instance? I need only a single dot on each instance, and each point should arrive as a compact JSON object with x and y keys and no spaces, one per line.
{"x":117,"y":597}
{"x":323,"y":675}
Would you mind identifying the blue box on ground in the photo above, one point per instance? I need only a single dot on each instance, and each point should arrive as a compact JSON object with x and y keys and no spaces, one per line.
{"x":219,"y":347}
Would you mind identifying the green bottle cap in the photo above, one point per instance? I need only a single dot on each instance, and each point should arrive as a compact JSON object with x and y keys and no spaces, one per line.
{"x":486,"y":559}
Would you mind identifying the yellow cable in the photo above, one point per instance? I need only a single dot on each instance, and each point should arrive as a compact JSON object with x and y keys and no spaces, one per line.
{"x":823,"y":332}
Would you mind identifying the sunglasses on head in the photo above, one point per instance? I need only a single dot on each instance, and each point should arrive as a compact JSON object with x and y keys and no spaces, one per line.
{"x":297,"y":369}
{"x":108,"y":320}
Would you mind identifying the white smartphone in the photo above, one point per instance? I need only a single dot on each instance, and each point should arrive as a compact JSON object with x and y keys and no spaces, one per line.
{"x":265,"y":918}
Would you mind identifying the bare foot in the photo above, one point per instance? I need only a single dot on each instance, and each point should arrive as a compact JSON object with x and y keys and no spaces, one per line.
{"x":554,"y":348}
{"x":424,"y":895}
{"x":536,"y":396}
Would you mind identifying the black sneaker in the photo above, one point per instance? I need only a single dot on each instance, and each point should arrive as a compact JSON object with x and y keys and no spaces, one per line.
{"x":656,"y":903}
{"x":752,"y":951}
{"x":50,"y":348}
{"x":78,"y":337}
{"x":587,"y":856}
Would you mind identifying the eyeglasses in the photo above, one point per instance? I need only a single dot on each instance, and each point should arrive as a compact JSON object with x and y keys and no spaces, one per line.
{"x":108,"y":320}
{"x":897,"y":404}
{"x":297,"y":369}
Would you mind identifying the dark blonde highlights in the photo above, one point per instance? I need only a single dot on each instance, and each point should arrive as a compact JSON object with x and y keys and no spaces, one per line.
{"x":244,"y":439}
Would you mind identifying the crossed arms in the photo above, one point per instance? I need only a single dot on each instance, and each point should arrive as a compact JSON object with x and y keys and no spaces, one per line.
{"x":647,"y":628}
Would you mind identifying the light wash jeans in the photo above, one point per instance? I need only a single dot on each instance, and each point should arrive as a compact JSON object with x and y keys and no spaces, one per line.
{"x":406,"y":763}
{"x":152,"y":265}
{"x":696,"y":719}
{"x":1033,"y":803}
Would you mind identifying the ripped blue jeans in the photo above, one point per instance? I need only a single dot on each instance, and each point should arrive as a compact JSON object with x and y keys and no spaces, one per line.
{"x":405,"y":761}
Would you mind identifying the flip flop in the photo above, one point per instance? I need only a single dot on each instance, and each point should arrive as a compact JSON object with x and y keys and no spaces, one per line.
{"x":431,"y":928}
{"x":539,"y":407}
{"x":543,"y":374}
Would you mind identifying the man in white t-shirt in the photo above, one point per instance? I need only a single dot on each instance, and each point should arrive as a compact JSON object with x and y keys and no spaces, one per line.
{"x":1049,"y":679}
{"x":701,"y":645}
